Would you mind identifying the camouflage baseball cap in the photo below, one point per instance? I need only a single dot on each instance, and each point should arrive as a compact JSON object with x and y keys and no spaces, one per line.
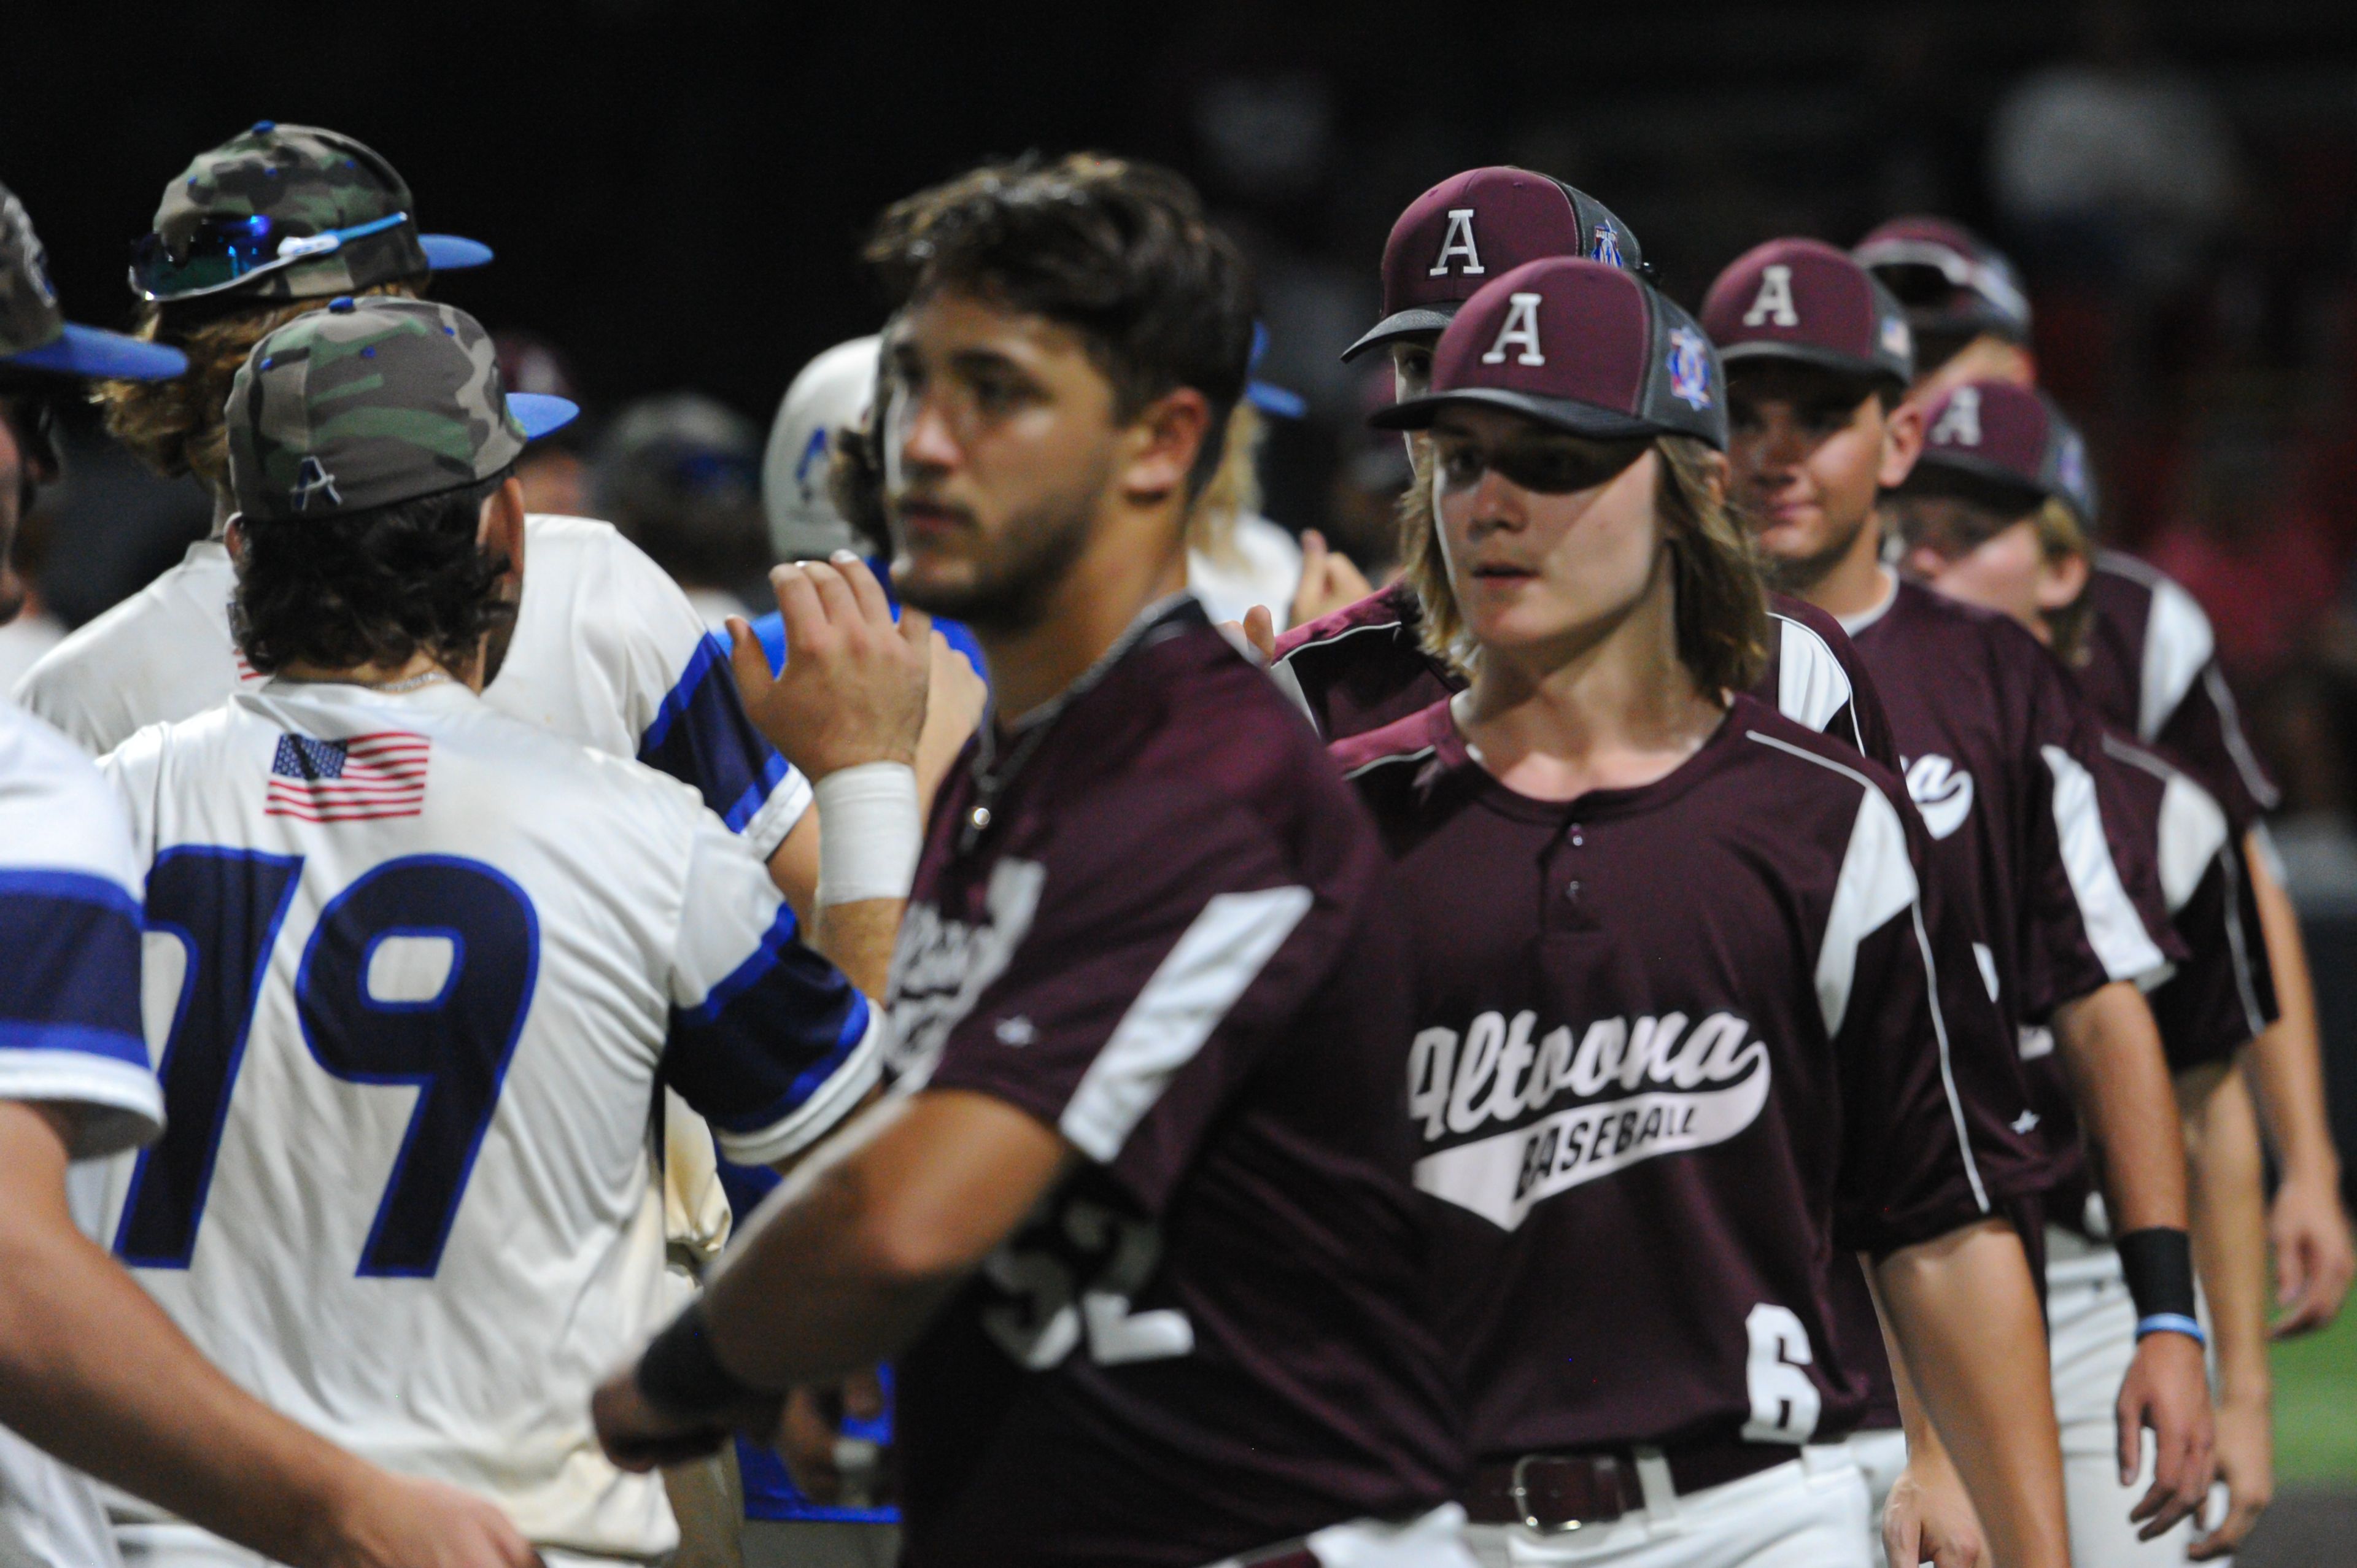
{"x":35,"y":336}
{"x":372,"y":402}
{"x":288,"y":212}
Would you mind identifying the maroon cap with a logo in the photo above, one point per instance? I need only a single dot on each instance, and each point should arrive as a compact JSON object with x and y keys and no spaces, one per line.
{"x":1947,"y":278}
{"x":1804,"y":300}
{"x":2006,"y":438}
{"x":1579,"y":344}
{"x":1478,"y":226}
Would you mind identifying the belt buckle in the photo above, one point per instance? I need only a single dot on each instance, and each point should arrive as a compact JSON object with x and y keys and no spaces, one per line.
{"x":1518,"y":1491}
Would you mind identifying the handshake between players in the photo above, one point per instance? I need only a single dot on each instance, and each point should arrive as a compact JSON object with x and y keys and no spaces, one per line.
{"x":1600,"y":1095}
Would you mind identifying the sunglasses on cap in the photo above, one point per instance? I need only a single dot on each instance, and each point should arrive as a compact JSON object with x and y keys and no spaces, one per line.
{"x":226,"y":251}
{"x":1543,"y":464}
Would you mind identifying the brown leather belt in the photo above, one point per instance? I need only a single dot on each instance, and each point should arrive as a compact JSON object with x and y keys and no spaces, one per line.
{"x":1553,"y":1492}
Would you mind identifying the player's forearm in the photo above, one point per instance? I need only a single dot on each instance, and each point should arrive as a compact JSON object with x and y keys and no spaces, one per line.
{"x":1922,"y":1436}
{"x":93,"y":1371}
{"x":849,"y":1260}
{"x":793,"y":867}
{"x":2286,"y":1060}
{"x":807,"y":1296}
{"x":857,"y":939}
{"x":2229,"y":1212}
{"x":1967,"y":1318}
{"x":2119,"y":1079}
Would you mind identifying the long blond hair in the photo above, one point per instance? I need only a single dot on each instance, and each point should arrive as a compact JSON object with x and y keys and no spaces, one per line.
{"x":2061,"y":535}
{"x":1722,"y":611}
{"x":177,"y":426}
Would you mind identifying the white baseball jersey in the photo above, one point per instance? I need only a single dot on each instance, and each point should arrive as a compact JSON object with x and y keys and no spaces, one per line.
{"x":607,"y":651}
{"x":414,"y":971}
{"x":68,"y":1035}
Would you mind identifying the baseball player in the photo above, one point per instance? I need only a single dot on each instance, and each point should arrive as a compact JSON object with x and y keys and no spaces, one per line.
{"x":606,"y":650}
{"x":2150,"y":669}
{"x":1364,"y":665}
{"x":2006,"y":765}
{"x":436,"y":963}
{"x":88,"y":1369}
{"x":1679,"y":1044}
{"x":1136,"y":1221}
{"x":1997,"y":513}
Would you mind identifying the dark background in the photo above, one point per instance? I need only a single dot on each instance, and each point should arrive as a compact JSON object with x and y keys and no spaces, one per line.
{"x":676,"y":191}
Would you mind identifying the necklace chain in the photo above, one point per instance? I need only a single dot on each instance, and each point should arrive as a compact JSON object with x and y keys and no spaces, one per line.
{"x":406,"y":683}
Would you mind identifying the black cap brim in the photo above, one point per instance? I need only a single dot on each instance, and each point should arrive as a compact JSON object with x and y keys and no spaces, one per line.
{"x":1560,"y":413}
{"x":1867,"y":374}
{"x":1992,"y":485}
{"x":1403,"y":323}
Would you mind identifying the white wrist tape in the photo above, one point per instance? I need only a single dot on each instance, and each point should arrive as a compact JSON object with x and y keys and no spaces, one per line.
{"x":868,"y":832}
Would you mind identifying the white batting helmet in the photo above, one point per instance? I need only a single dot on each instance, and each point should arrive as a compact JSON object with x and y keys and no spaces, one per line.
{"x":831,"y":391}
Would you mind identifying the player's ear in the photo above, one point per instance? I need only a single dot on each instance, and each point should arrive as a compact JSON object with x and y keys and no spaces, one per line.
{"x":2060,"y":580}
{"x":500,"y":529}
{"x":233,"y":538}
{"x":1164,"y":440}
{"x":1902,"y":443}
{"x":1714,"y":475}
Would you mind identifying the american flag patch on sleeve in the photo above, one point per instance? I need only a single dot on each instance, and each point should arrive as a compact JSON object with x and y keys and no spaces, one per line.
{"x":379,"y":775}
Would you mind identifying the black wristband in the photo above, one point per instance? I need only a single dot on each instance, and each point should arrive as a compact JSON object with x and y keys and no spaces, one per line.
{"x":681,"y":1377}
{"x":2158,"y":1262}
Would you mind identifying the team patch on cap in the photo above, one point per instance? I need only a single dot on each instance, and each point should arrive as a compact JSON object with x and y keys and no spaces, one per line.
{"x":1689,"y":367}
{"x":1608,"y":247}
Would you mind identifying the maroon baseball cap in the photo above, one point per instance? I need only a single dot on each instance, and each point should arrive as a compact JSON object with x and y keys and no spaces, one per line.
{"x":2006,"y":444}
{"x":1579,"y":344}
{"x":1948,"y":279}
{"x":1804,"y":300}
{"x":1480,"y":225}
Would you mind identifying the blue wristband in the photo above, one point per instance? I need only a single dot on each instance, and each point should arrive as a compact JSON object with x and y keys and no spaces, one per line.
{"x":2172,"y":1323}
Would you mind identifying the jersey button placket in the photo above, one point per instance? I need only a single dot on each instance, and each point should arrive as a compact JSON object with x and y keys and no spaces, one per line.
{"x":1568,"y":875}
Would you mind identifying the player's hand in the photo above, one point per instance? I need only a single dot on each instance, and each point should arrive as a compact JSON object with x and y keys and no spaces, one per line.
{"x":638,"y":1437}
{"x":1329,"y":580}
{"x":853,"y":690}
{"x":1930,"y":1518}
{"x":2314,"y":1261}
{"x":954,"y":698}
{"x":2168,"y":1389}
{"x":401,"y":1521}
{"x":811,"y":1427}
{"x":1256,"y":631}
{"x":2246,"y":1463}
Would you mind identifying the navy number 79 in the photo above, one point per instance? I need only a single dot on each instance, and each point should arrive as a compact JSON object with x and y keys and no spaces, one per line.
{"x":225,"y":907}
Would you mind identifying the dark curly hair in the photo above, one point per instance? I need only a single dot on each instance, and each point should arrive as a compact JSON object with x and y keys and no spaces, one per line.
{"x":1118,"y":251}
{"x":373,"y":587}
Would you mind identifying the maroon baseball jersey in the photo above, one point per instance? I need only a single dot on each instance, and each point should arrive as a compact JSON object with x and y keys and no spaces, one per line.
{"x":2004,"y":761}
{"x":1678,"y":1051}
{"x":1361,"y":668}
{"x":2219,"y":998}
{"x":1151,"y":917}
{"x":2151,"y":671}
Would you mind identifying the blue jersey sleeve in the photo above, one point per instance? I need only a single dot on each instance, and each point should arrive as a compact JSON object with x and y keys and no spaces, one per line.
{"x":769,"y":1041}
{"x":70,"y":945}
{"x":702,"y":737}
